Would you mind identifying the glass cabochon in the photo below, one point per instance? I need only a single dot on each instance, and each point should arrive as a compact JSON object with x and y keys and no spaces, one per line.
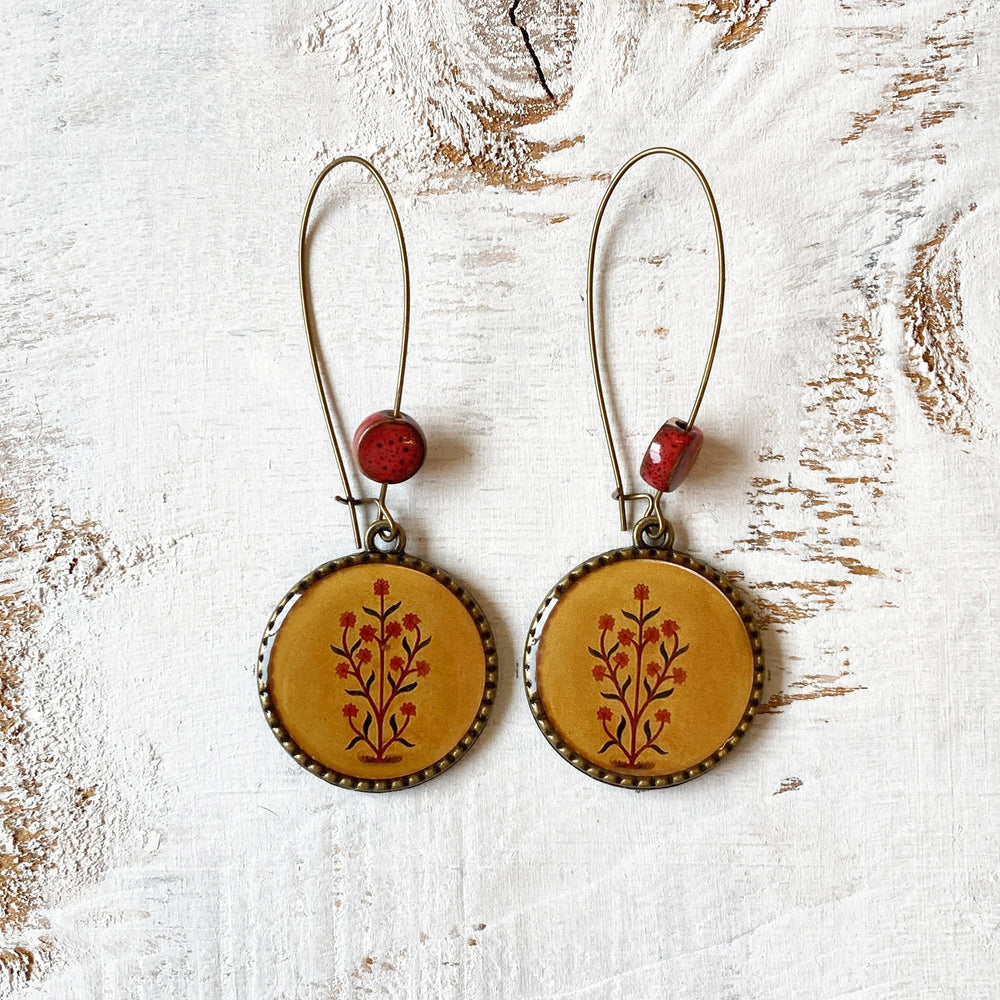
{"x":643,"y":667}
{"x":377,"y":671}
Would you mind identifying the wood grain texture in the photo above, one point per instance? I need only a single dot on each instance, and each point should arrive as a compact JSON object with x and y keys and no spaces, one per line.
{"x":166,"y":479}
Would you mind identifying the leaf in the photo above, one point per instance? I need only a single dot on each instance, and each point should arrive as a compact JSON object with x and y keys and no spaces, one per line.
{"x":367,"y":723}
{"x":407,"y":687}
{"x":625,"y":686}
{"x":683,"y":649}
{"x":631,"y":617}
{"x":596,"y":652}
{"x":392,"y":680}
{"x":337,"y":650}
{"x":406,"y":743}
{"x":653,"y":746}
{"x":392,"y":724}
{"x":663,"y":694}
{"x":651,"y":614}
{"x":422,"y":643}
{"x":647,"y":730}
{"x":620,"y":730}
{"x":647,"y":686}
{"x":357,"y":739}
{"x":372,"y":612}
{"x":368,"y":683}
{"x":604,"y":749}
{"x":611,"y":695}
{"x":613,"y":650}
{"x":393,"y":607}
{"x":354,"y":648}
{"x":355,"y":694}
{"x":406,"y":646}
{"x":663,"y":652}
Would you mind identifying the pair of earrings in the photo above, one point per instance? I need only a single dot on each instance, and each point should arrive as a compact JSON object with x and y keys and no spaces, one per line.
{"x":642,"y":666}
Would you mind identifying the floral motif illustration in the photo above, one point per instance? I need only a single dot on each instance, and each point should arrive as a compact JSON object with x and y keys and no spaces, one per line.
{"x":638,"y":668}
{"x":381,"y":663}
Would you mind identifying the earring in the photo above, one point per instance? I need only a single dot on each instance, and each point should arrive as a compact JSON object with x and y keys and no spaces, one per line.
{"x":377,"y":671}
{"x":642,"y":666}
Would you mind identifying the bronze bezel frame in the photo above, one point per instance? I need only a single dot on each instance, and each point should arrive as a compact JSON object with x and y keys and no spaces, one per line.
{"x":407,"y":780}
{"x":596,"y":770}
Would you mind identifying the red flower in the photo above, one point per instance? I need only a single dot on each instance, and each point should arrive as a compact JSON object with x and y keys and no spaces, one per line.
{"x":410,"y":622}
{"x":343,"y":670}
{"x":605,"y":623}
{"x":368,"y":632}
{"x":641,"y":592}
{"x":652,"y":669}
{"x":364,"y":655}
{"x":408,"y":708}
{"x":348,"y":619}
{"x":423,"y":668}
{"x":662,"y":715}
{"x":621,"y":659}
{"x":680,"y":675}
{"x":604,"y":713}
{"x":651,"y":634}
{"x":669,"y":628}
{"x":393,"y":630}
{"x":396,"y":663}
{"x":598,"y":673}
{"x":626,"y":637}
{"x":350,"y":710}
{"x":380,"y":587}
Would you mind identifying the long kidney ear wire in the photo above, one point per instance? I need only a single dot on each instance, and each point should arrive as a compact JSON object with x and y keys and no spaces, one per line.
{"x":385,"y":526}
{"x":652,"y":517}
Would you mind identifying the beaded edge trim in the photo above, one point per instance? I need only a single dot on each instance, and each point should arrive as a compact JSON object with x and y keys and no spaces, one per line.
{"x":588,"y":767}
{"x":416,"y":777}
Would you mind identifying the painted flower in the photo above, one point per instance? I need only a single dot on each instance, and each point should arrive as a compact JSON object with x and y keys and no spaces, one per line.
{"x":410,"y":622}
{"x":393,"y":630}
{"x":641,"y":592}
{"x":380,"y":587}
{"x":669,"y":629}
{"x":343,"y":670}
{"x":626,"y":637}
{"x":396,"y":663}
{"x":652,"y":669}
{"x":606,"y":623}
{"x":680,"y":675}
{"x":621,"y":659}
{"x":364,"y":655}
{"x":604,"y":713}
{"x":598,"y":673}
{"x":408,"y":708}
{"x":368,"y":633}
{"x":350,"y":710}
{"x":662,"y":715}
{"x":423,"y":668}
{"x":651,"y":634}
{"x":348,"y":619}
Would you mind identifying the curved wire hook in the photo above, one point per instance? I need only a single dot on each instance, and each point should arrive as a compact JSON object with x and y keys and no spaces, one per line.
{"x":620,"y":495}
{"x":304,"y":294}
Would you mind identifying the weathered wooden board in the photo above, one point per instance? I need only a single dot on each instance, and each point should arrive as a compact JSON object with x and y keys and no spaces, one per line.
{"x":167,"y":478}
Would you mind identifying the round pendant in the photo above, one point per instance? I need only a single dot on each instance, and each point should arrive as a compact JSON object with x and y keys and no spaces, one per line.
{"x":377,"y":671}
{"x":643,"y":667}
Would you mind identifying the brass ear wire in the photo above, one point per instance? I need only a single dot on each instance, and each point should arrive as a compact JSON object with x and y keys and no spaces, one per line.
{"x":652,"y":516}
{"x":388,"y":527}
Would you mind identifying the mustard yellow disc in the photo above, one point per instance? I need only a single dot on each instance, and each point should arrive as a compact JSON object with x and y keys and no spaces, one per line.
{"x":377,"y":671}
{"x":643,"y":667}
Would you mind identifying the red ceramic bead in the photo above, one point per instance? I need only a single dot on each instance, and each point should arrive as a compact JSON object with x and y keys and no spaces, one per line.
{"x":389,"y":449}
{"x":670,"y":455}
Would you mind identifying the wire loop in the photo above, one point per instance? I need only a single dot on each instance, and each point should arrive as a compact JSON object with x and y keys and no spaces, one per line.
{"x":652,"y":499}
{"x":304,"y":293}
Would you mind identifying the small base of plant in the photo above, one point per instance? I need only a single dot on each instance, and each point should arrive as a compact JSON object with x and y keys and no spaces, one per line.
{"x":367,"y":758}
{"x":639,"y":765}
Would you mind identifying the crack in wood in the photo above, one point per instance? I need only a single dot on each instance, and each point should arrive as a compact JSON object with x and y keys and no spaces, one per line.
{"x":512,"y":15}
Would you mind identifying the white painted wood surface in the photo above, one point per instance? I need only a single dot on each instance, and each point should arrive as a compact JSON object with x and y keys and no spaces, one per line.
{"x":166,"y":478}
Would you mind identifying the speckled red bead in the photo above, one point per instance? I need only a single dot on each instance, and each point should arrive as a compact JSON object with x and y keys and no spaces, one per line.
{"x":389,"y":449}
{"x":670,"y":455}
